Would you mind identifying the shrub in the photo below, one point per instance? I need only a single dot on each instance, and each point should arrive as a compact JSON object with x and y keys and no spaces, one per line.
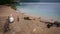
{"x":13,"y":7}
{"x":2,"y":2}
{"x":9,"y":3}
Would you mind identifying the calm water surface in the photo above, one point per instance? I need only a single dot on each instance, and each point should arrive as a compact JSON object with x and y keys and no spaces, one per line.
{"x":49,"y":10}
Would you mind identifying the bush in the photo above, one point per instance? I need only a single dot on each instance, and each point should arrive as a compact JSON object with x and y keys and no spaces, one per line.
{"x":2,"y":2}
{"x":8,"y":3}
{"x":14,"y":7}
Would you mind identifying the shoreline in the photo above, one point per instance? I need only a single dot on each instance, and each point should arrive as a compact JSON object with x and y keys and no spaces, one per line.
{"x":45,"y":17}
{"x":36,"y":16}
{"x":23,"y":26}
{"x":30,"y":15}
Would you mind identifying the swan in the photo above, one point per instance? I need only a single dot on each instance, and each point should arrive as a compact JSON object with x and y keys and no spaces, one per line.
{"x":11,"y":18}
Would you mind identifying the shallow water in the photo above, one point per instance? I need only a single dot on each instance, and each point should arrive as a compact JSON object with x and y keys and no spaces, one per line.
{"x":48,"y":10}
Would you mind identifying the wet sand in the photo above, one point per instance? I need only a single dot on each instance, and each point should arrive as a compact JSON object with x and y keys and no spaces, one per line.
{"x":24,"y":26}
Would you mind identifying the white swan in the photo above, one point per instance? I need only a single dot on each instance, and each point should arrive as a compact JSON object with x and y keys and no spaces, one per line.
{"x":11,"y":18}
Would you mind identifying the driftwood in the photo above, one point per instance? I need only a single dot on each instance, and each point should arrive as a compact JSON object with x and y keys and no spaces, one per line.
{"x":27,"y":18}
{"x":56,"y":23}
{"x":49,"y":25}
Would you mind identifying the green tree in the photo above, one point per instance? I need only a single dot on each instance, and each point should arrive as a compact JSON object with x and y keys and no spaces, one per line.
{"x":2,"y":2}
{"x":9,"y":3}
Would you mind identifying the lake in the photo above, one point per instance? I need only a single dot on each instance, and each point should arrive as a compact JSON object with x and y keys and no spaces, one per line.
{"x":47,"y":10}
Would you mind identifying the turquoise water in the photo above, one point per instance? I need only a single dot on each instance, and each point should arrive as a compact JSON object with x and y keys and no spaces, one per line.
{"x":49,"y":10}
